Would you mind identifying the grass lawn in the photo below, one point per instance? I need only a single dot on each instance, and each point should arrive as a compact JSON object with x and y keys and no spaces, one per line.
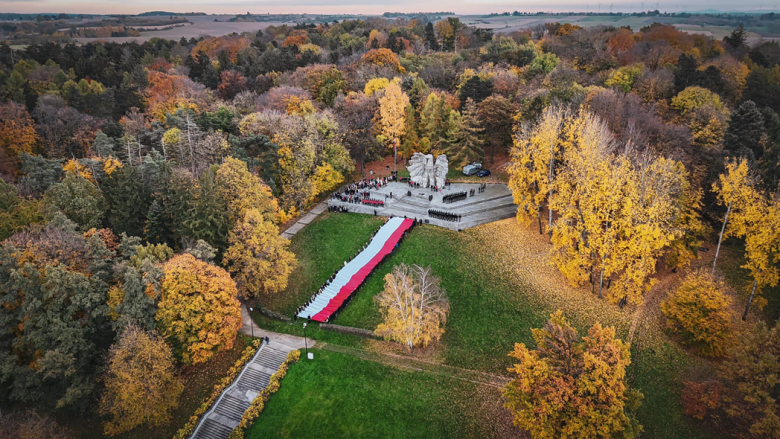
{"x":340,"y":396}
{"x":497,"y":292}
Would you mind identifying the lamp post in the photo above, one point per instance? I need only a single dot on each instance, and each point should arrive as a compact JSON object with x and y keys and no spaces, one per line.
{"x":305,"y":343}
{"x":395,"y":155}
{"x":251,"y":323}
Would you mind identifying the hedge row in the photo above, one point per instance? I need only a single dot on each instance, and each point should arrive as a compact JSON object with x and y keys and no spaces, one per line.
{"x":189,"y":428}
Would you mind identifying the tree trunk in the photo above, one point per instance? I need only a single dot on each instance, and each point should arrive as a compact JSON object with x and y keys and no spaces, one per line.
{"x":539,"y":211}
{"x":720,"y":239}
{"x":549,"y":196}
{"x":750,"y":300}
{"x":601,"y":281}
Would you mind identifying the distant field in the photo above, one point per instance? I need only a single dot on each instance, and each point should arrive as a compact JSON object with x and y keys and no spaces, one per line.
{"x":201,"y":26}
{"x":511,"y":24}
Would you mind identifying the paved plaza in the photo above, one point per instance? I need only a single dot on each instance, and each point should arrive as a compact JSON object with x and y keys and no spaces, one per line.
{"x":493,"y":204}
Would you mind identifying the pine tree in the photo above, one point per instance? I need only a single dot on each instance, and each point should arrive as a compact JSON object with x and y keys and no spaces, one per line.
{"x":128,"y":201}
{"x":103,"y":146}
{"x":743,"y":136}
{"x":208,"y":220}
{"x":467,"y":144}
{"x":476,"y":88}
{"x":430,"y":37}
{"x":157,"y":229}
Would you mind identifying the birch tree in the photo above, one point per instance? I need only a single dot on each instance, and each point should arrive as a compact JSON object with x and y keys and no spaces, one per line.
{"x":414,"y":307}
{"x":735,"y":192}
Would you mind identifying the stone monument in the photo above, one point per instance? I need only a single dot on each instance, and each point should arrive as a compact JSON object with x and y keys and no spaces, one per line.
{"x":426,"y":172}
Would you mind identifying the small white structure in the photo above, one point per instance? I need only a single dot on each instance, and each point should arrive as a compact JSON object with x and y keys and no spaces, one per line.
{"x":425,"y":172}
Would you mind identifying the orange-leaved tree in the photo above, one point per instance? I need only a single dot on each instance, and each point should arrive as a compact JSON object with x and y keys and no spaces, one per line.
{"x":572,"y":386}
{"x":17,"y":135}
{"x":198,"y":313}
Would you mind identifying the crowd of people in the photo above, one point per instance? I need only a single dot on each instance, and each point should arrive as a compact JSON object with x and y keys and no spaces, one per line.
{"x":373,"y":202}
{"x":367,"y":183}
{"x":442,"y":215}
{"x":357,"y":197}
{"x":457,"y":196}
{"x":333,"y":277}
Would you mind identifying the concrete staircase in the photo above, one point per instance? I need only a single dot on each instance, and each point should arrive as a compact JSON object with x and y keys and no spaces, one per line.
{"x":226,"y":413}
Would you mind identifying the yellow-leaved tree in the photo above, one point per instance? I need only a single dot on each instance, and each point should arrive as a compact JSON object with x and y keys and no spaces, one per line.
{"x":243,"y":190}
{"x":414,"y":307}
{"x":198,"y":313}
{"x":618,"y":211}
{"x":762,"y":247}
{"x":392,"y":112}
{"x":258,"y":256}
{"x":736,"y":193}
{"x":699,"y":311}
{"x":573,"y":387}
{"x":141,"y":382}
{"x":532,"y":170}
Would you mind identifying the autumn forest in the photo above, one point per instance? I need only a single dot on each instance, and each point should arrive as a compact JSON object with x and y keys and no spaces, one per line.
{"x":162,"y":202}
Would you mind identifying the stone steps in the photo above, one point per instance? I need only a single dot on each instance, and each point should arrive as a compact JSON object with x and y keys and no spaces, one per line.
{"x":465,"y":211}
{"x":210,"y":429}
{"x":227,"y":412}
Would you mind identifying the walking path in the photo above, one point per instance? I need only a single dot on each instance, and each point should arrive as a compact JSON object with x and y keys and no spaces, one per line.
{"x":305,"y":220}
{"x":251,"y":329}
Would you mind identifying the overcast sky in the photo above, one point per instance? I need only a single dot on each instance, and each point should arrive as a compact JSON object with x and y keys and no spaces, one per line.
{"x":367,"y":6}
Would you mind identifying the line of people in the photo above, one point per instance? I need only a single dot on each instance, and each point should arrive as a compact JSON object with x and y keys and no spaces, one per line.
{"x":341,"y":209}
{"x":446,"y":216}
{"x":457,"y":196}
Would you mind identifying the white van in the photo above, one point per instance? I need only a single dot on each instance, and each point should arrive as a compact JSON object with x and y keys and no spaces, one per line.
{"x":472,"y":168}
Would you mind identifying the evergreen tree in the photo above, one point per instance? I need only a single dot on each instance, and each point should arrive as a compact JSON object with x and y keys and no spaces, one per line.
{"x":737,"y":38}
{"x":467,"y":144}
{"x":103,"y":146}
{"x":476,"y":89}
{"x":136,"y":307}
{"x":208,"y":219}
{"x":128,"y":201}
{"x":769,"y":164}
{"x":178,"y":200}
{"x":687,"y":73}
{"x":79,"y":200}
{"x":430,"y":37}
{"x":40,"y":173}
{"x":411,"y":141}
{"x":157,"y":229}
{"x":743,"y":136}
